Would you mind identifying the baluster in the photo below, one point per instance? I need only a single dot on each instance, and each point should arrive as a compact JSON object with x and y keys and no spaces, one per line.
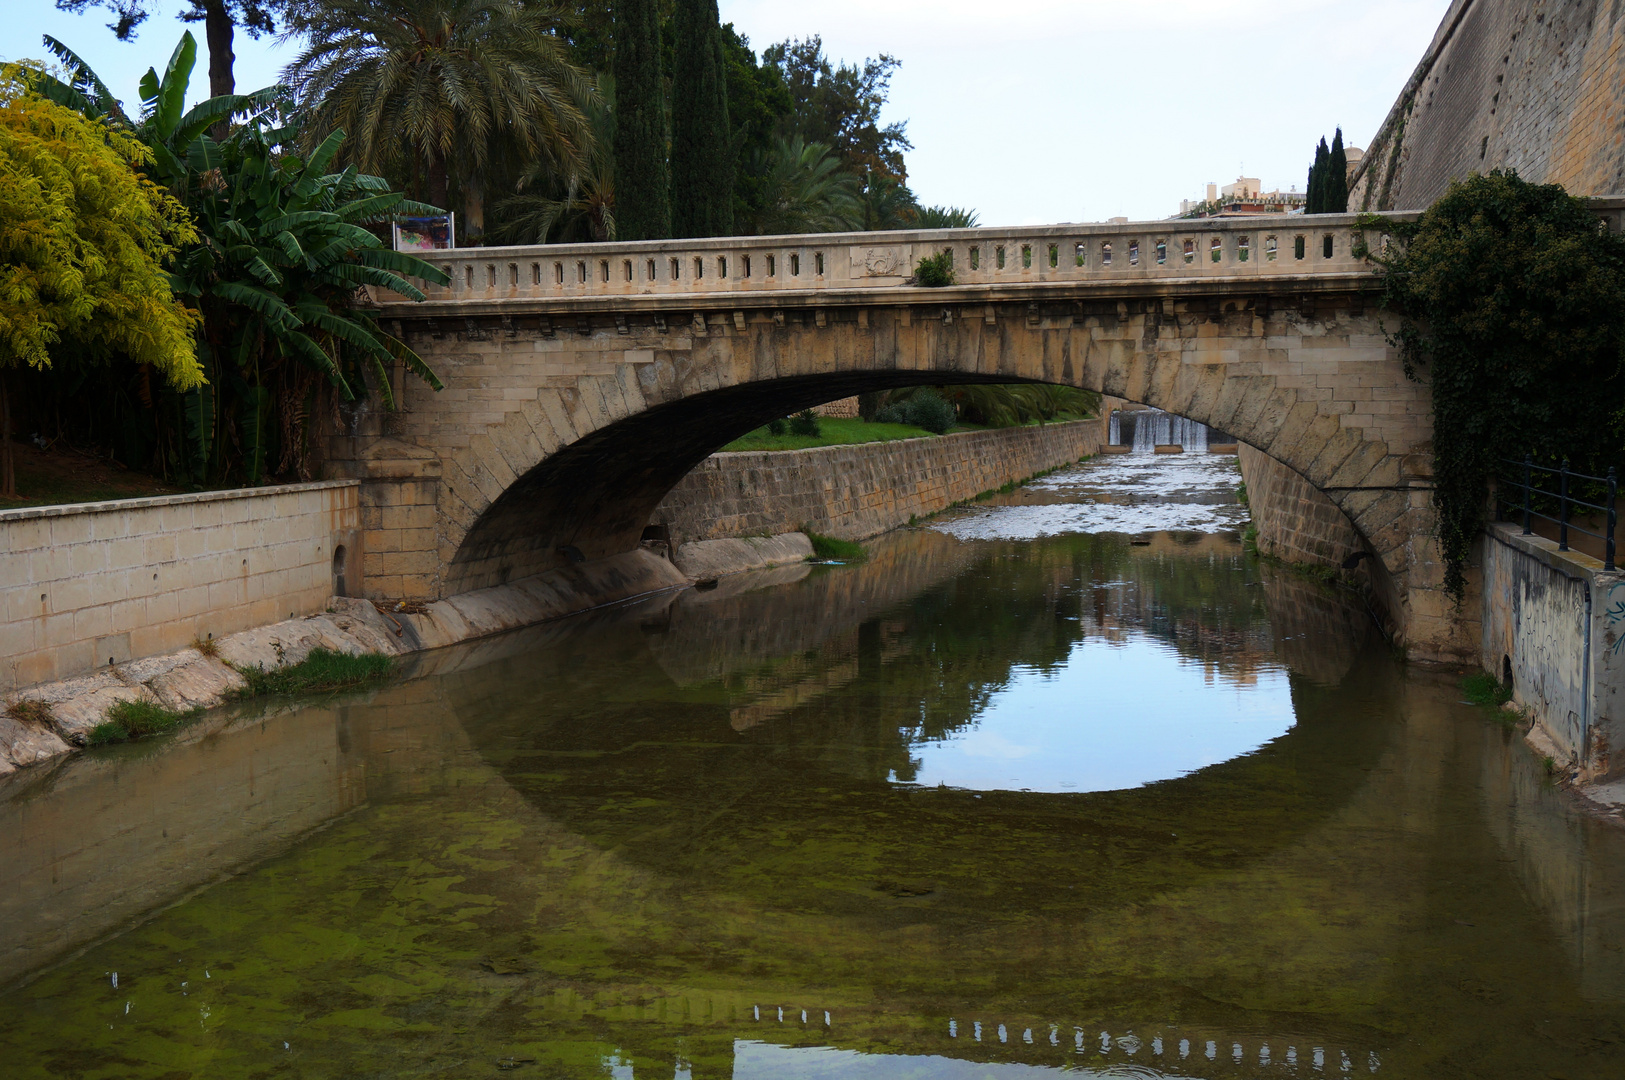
{"x":1528,"y":470}
{"x":1563,"y":508}
{"x":1608,"y":551}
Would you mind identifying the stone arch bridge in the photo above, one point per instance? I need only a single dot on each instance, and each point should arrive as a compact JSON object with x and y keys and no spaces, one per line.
{"x":584,"y":381}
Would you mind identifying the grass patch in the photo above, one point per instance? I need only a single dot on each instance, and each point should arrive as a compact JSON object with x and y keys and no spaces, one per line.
{"x":128,"y":720}
{"x":1483,"y":688}
{"x":827,"y":547}
{"x":832,"y":431}
{"x":322,"y":670}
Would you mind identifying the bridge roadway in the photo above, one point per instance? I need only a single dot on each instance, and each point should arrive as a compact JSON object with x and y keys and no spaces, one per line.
{"x":583,"y":381}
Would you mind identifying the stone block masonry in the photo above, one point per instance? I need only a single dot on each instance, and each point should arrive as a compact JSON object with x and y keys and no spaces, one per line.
{"x":93,"y":584}
{"x":861,"y":490}
{"x":1529,"y":85}
{"x":1295,"y":522}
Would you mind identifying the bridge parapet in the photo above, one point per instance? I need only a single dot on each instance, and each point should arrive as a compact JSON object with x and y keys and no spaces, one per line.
{"x":1293,"y":251}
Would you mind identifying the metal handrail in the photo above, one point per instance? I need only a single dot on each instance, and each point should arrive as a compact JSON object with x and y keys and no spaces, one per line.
{"x":1565,"y":501}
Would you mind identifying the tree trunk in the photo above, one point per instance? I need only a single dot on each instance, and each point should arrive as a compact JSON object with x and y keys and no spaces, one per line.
{"x":439,"y":185}
{"x":8,"y":465}
{"x":473,"y":209}
{"x":218,"y":32}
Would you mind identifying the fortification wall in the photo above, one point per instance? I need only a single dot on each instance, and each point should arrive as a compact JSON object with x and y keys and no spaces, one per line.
{"x":857,"y":491}
{"x":94,"y":584}
{"x":1533,"y":85}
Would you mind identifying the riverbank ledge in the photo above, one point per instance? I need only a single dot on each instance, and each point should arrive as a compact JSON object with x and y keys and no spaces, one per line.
{"x":190,"y":679}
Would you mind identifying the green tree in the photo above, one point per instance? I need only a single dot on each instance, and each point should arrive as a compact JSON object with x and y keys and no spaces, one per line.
{"x":1315,"y":201}
{"x":758,"y":105}
{"x":702,"y":151}
{"x":840,"y":105}
{"x":1513,"y":304}
{"x":220,"y":19}
{"x":444,"y":91}
{"x":887,"y":203}
{"x":805,"y":190}
{"x":83,"y":242}
{"x":1335,"y":196}
{"x":642,"y":180}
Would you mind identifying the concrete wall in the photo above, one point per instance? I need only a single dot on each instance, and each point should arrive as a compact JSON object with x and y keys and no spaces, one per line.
{"x":86,"y":585}
{"x":858,"y":491}
{"x":1558,"y":620}
{"x":1533,"y":85}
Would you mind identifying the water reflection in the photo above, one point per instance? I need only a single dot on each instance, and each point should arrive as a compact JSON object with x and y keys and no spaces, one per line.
{"x":670,"y":840}
{"x":1108,"y":716}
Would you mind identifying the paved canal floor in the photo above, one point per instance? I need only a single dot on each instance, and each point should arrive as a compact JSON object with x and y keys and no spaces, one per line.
{"x":1064,"y":782}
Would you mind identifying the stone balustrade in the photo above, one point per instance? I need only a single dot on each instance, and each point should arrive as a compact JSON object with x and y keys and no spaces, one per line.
{"x":1110,"y":256}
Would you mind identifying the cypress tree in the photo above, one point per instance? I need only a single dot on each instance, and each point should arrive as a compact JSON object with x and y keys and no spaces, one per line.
{"x":1337,"y":177}
{"x":702,"y":156}
{"x":1318,"y":172}
{"x":642,"y":177}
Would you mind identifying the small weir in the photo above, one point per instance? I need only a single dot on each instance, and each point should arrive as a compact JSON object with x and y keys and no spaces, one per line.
{"x":1146,"y":429}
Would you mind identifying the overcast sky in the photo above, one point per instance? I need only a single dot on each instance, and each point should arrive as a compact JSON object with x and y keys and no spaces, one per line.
{"x":1028,"y":111}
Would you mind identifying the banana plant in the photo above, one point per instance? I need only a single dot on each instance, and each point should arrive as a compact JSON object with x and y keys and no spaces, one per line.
{"x":283,"y":255}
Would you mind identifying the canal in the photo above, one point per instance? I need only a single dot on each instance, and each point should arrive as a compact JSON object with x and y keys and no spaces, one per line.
{"x":1062,"y":781}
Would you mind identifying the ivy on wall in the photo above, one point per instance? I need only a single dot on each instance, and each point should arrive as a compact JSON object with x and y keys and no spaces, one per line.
{"x":1512,"y":298}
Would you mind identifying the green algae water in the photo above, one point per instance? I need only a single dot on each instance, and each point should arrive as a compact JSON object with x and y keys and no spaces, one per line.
{"x":1010,"y":800}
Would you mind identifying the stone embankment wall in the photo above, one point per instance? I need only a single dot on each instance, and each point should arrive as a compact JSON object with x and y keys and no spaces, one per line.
{"x":89,"y":585}
{"x":1295,"y":521}
{"x":1555,"y":620}
{"x":1525,"y":84}
{"x":857,"y":491}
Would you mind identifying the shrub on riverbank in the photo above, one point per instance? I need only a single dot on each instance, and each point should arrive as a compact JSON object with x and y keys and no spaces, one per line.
{"x":322,"y":670}
{"x":129,"y":720}
{"x":1483,"y":688}
{"x":827,"y":547}
{"x":925,"y":408}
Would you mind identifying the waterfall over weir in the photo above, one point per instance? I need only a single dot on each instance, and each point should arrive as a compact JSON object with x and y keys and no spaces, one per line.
{"x":1150,"y":428}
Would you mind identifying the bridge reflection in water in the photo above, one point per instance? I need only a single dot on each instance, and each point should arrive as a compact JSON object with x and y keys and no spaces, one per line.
{"x":625,"y":843}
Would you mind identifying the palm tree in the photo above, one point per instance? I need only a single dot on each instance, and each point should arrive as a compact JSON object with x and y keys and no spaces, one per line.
{"x":945,"y":217}
{"x":442,"y":86}
{"x":805,"y":189}
{"x":887,"y":203}
{"x":573,"y":207}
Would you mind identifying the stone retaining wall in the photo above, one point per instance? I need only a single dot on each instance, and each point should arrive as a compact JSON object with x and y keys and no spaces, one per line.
{"x":1295,"y":521}
{"x":93,"y":584}
{"x":858,"y":491}
{"x":1298,"y":524}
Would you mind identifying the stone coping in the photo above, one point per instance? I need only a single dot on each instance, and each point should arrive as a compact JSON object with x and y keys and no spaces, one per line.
{"x":28,"y":513}
{"x":1576,"y":564}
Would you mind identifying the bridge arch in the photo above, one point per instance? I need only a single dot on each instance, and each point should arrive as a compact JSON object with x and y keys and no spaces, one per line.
{"x":567,"y":418}
{"x":580,"y":468}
